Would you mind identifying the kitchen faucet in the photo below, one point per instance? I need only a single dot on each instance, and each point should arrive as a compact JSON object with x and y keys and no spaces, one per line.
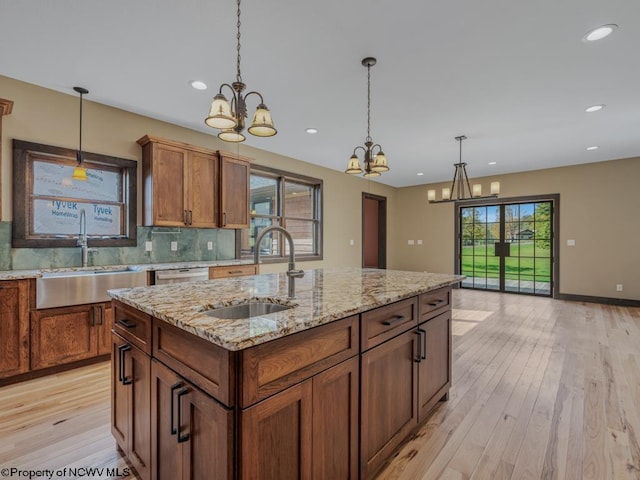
{"x":292,"y":273}
{"x":82,"y":239}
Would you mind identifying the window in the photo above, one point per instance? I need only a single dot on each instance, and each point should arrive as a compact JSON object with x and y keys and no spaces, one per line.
{"x":47,"y":202}
{"x":288,"y":200}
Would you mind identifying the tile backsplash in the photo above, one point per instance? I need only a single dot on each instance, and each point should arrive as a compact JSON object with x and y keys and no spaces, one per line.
{"x":191,"y":246}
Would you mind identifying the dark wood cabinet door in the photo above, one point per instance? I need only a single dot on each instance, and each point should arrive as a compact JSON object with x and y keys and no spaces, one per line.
{"x":103,"y":320}
{"x":166,"y":460}
{"x":14,"y":327}
{"x":234,"y":192}
{"x":201,"y":175}
{"x":388,"y":405}
{"x":276,"y":436}
{"x":335,"y":422}
{"x":207,"y":430}
{"x":164,"y":185}
{"x":62,"y":335}
{"x":434,"y":370}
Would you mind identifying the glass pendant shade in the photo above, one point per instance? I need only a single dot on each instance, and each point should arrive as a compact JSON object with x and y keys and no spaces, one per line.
{"x":230,"y":135}
{"x":495,"y":188}
{"x":372,"y":174}
{"x":79,"y":173}
{"x":380,"y":163}
{"x":446,"y":193}
{"x":354,"y":166}
{"x":220,"y":115}
{"x":477,"y":190}
{"x":262,"y":125}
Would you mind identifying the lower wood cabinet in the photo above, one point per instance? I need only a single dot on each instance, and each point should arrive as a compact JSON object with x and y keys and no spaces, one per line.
{"x":131,"y":403}
{"x":191,"y":433}
{"x":434,"y":369}
{"x":308,"y":431}
{"x":14,"y":327}
{"x":68,"y":334}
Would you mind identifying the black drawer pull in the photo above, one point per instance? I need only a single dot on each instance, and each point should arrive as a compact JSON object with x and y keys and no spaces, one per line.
{"x":436,"y":303}
{"x":419,"y":356}
{"x":395,"y":319}
{"x":182,"y":437}
{"x":234,"y":272}
{"x":126,"y":323}
{"x":121,"y":371}
{"x":424,"y":343}
{"x":174,"y":387}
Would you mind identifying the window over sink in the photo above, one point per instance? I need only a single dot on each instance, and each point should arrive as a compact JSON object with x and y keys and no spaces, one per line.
{"x":288,"y":200}
{"x":48,"y":202}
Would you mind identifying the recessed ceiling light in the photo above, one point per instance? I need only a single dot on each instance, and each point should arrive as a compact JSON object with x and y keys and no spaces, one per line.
{"x":594,"y":147}
{"x":599,"y":33}
{"x":594,"y":108}
{"x":198,"y":84}
{"x":419,"y":174}
{"x":492,"y":163}
{"x":311,"y":130}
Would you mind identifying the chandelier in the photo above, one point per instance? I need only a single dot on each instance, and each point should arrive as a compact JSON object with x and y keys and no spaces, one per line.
{"x":460,"y":186}
{"x":80,"y":172}
{"x":374,"y":163}
{"x":230,"y":118}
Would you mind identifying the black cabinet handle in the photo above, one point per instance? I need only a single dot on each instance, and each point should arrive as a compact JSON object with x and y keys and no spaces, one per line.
{"x":190,"y":217}
{"x":185,"y":218}
{"x":393,"y":320}
{"x":436,"y":303}
{"x":234,"y":272}
{"x":126,"y":323}
{"x":121,"y":371}
{"x":424,"y":343}
{"x":92,"y":316}
{"x":224,"y":219}
{"x":182,"y":437}
{"x":101,"y":315}
{"x":419,"y":356}
{"x":174,"y":387}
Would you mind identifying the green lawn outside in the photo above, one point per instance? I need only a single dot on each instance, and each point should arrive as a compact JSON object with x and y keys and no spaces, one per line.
{"x":477,"y":261}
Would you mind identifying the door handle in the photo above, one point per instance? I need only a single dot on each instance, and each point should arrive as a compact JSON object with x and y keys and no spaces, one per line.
{"x":174,"y":387}
{"x":418,"y":358}
{"x":224,"y":219}
{"x":100,"y":311}
{"x":185,"y":218}
{"x":182,"y":437}
{"x":190,"y":217}
{"x":424,"y":343}
{"x":395,"y":319}
{"x":121,"y":370}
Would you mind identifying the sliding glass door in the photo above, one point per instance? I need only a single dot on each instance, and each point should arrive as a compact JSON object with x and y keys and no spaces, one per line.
{"x":507,"y":247}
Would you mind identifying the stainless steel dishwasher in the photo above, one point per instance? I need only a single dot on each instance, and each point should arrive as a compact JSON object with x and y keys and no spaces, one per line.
{"x":163,"y":277}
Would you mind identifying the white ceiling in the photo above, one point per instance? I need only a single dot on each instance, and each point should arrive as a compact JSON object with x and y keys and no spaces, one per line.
{"x":511,"y":75}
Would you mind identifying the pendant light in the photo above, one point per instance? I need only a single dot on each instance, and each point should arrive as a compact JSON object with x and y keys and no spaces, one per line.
{"x":229,"y":118}
{"x":461,"y":190}
{"x":80,"y":172}
{"x":374,"y":163}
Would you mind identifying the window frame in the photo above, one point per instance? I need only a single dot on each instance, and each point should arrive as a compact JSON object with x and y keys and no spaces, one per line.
{"x":25,"y":153}
{"x":280,"y":217}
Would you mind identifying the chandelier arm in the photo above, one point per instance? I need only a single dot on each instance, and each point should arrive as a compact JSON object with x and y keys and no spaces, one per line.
{"x":255,"y":93}
{"x":456,"y":175}
{"x":233,"y":92}
{"x":361,"y":147}
{"x":376,"y":145}
{"x":466,"y":177}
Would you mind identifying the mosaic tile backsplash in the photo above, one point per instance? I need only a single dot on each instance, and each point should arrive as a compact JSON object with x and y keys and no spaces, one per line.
{"x":192,"y":246}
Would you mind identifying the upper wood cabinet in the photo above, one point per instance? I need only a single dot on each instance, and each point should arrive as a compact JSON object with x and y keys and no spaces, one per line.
{"x":14,"y":327}
{"x":180,"y":184}
{"x":186,"y":185}
{"x":234,"y":191}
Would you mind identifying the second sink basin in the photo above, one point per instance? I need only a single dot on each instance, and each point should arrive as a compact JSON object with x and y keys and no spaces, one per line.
{"x":246,"y":310}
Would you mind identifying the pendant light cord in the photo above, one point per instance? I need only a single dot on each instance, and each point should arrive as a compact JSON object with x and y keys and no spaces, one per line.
{"x":368,"y":103}
{"x":238,"y":75}
{"x":80,"y":140}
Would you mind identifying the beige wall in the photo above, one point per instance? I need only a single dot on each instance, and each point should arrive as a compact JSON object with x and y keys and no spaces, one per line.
{"x":45,"y":116}
{"x":599,"y":209}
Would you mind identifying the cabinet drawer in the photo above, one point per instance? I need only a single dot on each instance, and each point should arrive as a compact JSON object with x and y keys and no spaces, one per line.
{"x":434,"y":303}
{"x":273,"y":366}
{"x":133,"y":325}
{"x":381,"y":324}
{"x":208,"y":366}
{"x":232,"y":271}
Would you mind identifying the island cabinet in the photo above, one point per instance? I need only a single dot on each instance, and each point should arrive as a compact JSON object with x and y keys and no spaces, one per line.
{"x":69,"y":334}
{"x":14,"y":327}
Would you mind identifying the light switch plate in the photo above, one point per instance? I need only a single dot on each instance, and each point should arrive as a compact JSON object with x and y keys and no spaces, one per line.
{"x":209,"y":245}
{"x":352,"y":242}
{"x":410,"y":242}
{"x":148,"y":246}
{"x":174,"y":246}
{"x":419,"y":242}
{"x":571,"y":243}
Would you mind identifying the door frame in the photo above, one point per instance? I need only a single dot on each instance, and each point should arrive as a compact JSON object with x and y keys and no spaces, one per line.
{"x":382,"y":228}
{"x":554,"y":198}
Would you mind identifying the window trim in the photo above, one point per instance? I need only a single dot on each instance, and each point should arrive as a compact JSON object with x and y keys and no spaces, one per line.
{"x":22,"y":185}
{"x":281,"y":177}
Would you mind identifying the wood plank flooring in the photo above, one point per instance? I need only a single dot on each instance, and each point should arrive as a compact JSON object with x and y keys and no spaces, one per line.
{"x":542,"y":389}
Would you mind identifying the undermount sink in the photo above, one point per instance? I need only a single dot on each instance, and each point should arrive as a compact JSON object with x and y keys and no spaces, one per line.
{"x":61,"y":289}
{"x":247,"y":310}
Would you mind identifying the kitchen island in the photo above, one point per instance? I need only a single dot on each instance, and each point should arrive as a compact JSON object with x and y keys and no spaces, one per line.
{"x":327,"y":388}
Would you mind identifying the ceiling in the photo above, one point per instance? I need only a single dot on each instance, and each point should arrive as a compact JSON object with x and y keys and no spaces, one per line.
{"x":514,"y":76}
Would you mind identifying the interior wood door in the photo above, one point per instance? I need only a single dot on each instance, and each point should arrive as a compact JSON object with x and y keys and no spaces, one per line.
{"x":374,"y":231}
{"x":14,"y":326}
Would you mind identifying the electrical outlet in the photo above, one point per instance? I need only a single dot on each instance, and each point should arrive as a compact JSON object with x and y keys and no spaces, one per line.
{"x":619,"y":287}
{"x":352,"y":242}
{"x":148,"y":246}
{"x":209,"y":245}
{"x":174,"y":246}
{"x":419,"y":242}
{"x":571,"y":243}
{"x":410,"y":242}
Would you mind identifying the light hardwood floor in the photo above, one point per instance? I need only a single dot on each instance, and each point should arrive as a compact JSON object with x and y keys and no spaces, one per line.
{"x":541,"y":389}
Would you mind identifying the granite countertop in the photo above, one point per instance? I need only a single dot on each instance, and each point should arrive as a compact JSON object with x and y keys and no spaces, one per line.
{"x":22,"y":274}
{"x":322,"y":296}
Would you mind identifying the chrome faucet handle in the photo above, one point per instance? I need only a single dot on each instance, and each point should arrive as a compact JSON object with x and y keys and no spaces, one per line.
{"x":295,"y":273}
